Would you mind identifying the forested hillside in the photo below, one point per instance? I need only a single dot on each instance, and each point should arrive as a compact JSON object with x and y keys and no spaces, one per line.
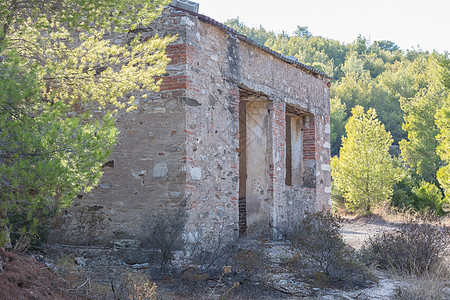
{"x":377,"y":74}
{"x":405,"y":87}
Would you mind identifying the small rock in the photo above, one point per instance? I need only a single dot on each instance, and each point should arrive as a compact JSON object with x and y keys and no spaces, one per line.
{"x":140,"y":266}
{"x":126,"y":243}
{"x":81,"y":261}
{"x":104,"y":186}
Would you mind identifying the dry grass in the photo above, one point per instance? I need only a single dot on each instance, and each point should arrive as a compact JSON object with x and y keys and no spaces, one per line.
{"x":401,"y":216}
{"x":430,"y":285}
{"x":417,"y":256}
{"x":408,"y":215}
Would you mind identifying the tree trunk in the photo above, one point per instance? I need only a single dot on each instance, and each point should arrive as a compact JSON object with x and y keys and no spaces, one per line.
{"x":5,"y":240}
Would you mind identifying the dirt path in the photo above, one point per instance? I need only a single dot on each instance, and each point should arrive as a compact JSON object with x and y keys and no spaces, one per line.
{"x":356,"y":231}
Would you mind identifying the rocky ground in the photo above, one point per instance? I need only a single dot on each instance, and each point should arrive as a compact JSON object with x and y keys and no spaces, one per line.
{"x":80,"y":273}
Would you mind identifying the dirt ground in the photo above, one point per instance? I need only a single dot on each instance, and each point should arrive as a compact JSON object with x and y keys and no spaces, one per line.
{"x":24,"y":278}
{"x":72,"y":274}
{"x":356,"y":231}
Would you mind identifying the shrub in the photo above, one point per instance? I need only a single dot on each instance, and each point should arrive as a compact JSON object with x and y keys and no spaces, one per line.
{"x":319,"y":237}
{"x":413,"y":249}
{"x":429,"y":196}
{"x":211,"y":245}
{"x":403,"y":195}
{"x":411,"y":193}
{"x":90,"y":223}
{"x":431,"y":286}
{"x":139,"y":287}
{"x":320,"y":248}
{"x":249,"y":263}
{"x":163,"y":231}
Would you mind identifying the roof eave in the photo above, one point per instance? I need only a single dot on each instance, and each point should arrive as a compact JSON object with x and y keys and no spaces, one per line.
{"x":306,"y":68}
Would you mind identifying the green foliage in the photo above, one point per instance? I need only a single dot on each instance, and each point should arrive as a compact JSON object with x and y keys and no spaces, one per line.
{"x":413,"y":193}
{"x":419,"y":151}
{"x":360,"y":45}
{"x":79,"y":62}
{"x":58,"y":62}
{"x":259,"y":35}
{"x":358,"y":87}
{"x":337,"y":198}
{"x":385,"y":45}
{"x":403,"y":195}
{"x":364,"y":171}
{"x":428,"y":196}
{"x":443,"y":123}
{"x":82,"y":14}
{"x":338,"y":113}
{"x":302,"y":31}
{"x":47,"y":155}
{"x":445,"y":71}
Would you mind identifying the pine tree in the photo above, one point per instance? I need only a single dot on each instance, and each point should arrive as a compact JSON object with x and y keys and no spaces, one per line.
{"x":443,"y":123}
{"x":364,"y":171}
{"x":56,"y":55}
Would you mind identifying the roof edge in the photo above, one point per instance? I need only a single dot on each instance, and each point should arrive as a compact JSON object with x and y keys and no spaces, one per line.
{"x":306,"y":68}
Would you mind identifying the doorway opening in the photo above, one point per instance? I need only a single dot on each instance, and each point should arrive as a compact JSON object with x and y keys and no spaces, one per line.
{"x":254,"y":179}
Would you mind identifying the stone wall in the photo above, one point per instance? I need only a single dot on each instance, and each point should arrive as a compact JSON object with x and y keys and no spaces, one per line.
{"x":227,"y":70}
{"x":146,"y":173}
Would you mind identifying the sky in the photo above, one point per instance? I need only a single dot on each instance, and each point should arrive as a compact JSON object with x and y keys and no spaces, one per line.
{"x":411,"y":24}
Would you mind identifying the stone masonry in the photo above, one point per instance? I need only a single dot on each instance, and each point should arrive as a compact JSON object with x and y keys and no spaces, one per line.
{"x":238,"y":139}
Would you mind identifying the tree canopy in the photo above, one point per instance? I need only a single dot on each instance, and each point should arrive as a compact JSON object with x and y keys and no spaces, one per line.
{"x":364,"y":171}
{"x":63,"y":66}
{"x":443,"y":123}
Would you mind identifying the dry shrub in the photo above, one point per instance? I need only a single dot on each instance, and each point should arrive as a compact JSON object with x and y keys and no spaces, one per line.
{"x":413,"y":249}
{"x":322,"y":253}
{"x":24,"y":278}
{"x":132,"y":285}
{"x":163,"y":231}
{"x":429,"y":285}
{"x":249,"y":263}
{"x":409,"y":215}
{"x":139,"y":287}
{"x":211,"y":261}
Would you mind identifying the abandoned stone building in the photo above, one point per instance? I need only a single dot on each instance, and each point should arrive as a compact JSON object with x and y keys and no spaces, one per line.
{"x":238,"y":138}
